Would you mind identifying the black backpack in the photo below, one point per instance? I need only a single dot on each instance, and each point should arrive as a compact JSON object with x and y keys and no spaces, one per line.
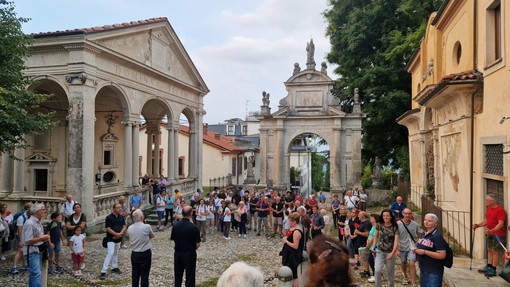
{"x":448,"y":260}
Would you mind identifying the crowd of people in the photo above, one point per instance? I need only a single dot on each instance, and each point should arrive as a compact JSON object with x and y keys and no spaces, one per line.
{"x":366,"y":242}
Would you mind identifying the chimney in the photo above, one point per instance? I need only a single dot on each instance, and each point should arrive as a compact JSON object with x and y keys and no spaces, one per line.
{"x":206,"y":127}
{"x":217,"y":136}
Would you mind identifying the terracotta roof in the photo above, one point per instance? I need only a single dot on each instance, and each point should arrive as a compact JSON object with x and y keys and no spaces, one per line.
{"x":223,"y":142}
{"x":99,"y":29}
{"x":466,"y":75}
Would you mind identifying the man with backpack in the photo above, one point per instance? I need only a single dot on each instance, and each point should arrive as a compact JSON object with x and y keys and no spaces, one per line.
{"x":20,"y":218}
{"x":408,"y":235}
{"x":67,"y":207}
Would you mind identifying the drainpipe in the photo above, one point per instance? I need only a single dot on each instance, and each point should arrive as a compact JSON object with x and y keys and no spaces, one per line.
{"x":472,"y":149}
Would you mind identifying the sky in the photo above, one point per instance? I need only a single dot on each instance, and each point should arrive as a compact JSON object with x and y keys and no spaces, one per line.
{"x":240,"y":47}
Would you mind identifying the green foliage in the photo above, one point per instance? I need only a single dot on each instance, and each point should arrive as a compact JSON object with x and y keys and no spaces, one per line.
{"x":292,"y":176}
{"x":319,"y":175}
{"x":366,"y":176}
{"x":17,"y":104}
{"x":386,"y":174}
{"x":403,"y":158}
{"x":372,"y":41}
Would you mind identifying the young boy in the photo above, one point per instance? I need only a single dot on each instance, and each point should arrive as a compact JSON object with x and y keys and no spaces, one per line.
{"x":56,"y":238}
{"x":77,"y":246}
{"x":286,"y":223}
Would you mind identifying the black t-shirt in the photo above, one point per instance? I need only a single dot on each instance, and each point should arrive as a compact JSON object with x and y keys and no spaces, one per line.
{"x":289,"y":200}
{"x":186,"y":235}
{"x":253,"y":204}
{"x":353,"y":224}
{"x":116,"y":223}
{"x":364,"y":226}
{"x":277,"y":207}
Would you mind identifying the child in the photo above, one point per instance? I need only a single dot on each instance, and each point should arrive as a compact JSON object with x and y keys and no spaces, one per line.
{"x":56,"y":237}
{"x":286,"y":223}
{"x":77,"y":245}
{"x":327,"y":221}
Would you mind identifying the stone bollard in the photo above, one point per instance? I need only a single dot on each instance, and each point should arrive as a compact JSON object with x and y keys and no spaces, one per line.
{"x":44,"y":275}
{"x":284,"y":276}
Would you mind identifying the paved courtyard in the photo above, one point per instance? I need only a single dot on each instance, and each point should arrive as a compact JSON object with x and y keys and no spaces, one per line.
{"x":214,"y":256}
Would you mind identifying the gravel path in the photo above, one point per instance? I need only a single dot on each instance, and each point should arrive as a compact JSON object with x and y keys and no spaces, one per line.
{"x":214,"y":256}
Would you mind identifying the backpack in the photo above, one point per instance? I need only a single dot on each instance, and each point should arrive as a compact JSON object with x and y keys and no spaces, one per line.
{"x":14,"y":227}
{"x":448,"y":260}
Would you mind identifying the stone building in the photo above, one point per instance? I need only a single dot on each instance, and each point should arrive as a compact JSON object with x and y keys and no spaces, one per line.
{"x":458,"y":133}
{"x":310,"y":108}
{"x":105,"y":82}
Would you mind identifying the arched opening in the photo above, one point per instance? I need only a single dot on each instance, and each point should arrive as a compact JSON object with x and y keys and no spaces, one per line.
{"x":188,"y":145}
{"x":44,"y":174}
{"x":309,"y":164}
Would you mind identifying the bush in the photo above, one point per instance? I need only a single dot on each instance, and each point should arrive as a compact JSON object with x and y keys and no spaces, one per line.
{"x":366,"y":176}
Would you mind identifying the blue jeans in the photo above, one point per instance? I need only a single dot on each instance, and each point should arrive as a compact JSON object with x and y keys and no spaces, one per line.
{"x":428,"y":279}
{"x":35,"y":268}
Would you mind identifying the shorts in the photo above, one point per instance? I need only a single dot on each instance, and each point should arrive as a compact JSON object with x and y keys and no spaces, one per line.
{"x":493,"y":244}
{"x":407,"y":255}
{"x":277,"y":220}
{"x":161,"y":214}
{"x":77,"y":259}
{"x":54,"y":250}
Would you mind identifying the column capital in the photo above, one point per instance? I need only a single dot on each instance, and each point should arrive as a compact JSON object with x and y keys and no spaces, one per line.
{"x":127,"y":123}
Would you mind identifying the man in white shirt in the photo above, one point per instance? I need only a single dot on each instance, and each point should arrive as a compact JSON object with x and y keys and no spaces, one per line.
{"x":160,"y":208}
{"x":67,"y":208}
{"x":350,"y":200}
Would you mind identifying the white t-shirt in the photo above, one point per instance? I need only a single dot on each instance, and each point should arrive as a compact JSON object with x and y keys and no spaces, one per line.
{"x":160,"y":203}
{"x":78,"y":242}
{"x":351,"y":201}
{"x":201,"y":211}
{"x":211,"y":209}
{"x":227,"y":217}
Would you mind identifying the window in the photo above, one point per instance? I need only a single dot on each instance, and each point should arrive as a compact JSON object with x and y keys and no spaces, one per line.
{"x":495,"y":187}
{"x":245,"y":130}
{"x":493,"y":33}
{"x":181,"y":167}
{"x":41,"y":179}
{"x":230,"y":130}
{"x":234,"y":164}
{"x":494,"y":159}
{"x":107,"y":157}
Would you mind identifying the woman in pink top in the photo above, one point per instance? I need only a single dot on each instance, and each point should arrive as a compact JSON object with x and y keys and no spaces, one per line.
{"x":244,"y":216}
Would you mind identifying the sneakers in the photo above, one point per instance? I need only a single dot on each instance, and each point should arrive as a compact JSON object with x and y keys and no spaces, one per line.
{"x":14,"y":270}
{"x":123,"y":246}
{"x":24,"y":268}
{"x":82,"y":266}
{"x":483,"y":269}
{"x":50,"y":270}
{"x":364,"y":273}
{"x":239,"y":235}
{"x":404,"y":281}
{"x":244,"y":235}
{"x":227,"y":238}
{"x":102,"y":276}
{"x":116,"y":270}
{"x":78,"y":273}
{"x":491,"y":272}
{"x":58,"y":270}
{"x":2,"y":258}
{"x":371,"y":279}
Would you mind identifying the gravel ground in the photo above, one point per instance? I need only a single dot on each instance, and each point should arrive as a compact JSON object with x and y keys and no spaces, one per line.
{"x":214,"y":256}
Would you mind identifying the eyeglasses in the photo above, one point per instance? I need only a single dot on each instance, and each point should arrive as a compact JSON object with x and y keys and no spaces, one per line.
{"x":407,"y":213}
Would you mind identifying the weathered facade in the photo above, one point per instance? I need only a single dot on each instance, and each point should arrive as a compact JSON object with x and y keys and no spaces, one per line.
{"x":105,"y":83}
{"x":310,"y":108}
{"x":457,"y":126}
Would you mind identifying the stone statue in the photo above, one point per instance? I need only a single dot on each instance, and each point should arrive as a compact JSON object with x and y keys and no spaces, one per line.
{"x":265,"y":99}
{"x":250,"y":176}
{"x":310,"y":49}
{"x":356,"y":95}
{"x":324,"y":68}
{"x":297,"y":68}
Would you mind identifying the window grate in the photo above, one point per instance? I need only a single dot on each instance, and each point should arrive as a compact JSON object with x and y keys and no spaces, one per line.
{"x":494,"y":159}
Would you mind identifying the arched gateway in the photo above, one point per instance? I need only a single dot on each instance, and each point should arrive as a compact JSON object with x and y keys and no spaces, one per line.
{"x":310,"y":108}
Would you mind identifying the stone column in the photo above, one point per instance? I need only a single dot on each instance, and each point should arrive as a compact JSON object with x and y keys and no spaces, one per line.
{"x":135,"y":154}
{"x":19,"y":170}
{"x":6,"y":174}
{"x":192,"y":152}
{"x":356,"y":155}
{"x":199,"y":147}
{"x":263,"y":156}
{"x":149,"y":151}
{"x":170,"y":154}
{"x":278,"y":158}
{"x":337,"y":170}
{"x":176,"y":152}
{"x":80,"y":165}
{"x":156,"y":152}
{"x":128,"y":153}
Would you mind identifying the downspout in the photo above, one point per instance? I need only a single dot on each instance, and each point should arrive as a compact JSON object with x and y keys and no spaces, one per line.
{"x":472,"y":149}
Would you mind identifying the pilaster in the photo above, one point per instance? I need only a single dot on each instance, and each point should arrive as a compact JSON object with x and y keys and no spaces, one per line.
{"x":6,"y":171}
{"x":170,"y":153}
{"x":135,"y":154}
{"x":19,"y":170}
{"x":128,"y":153}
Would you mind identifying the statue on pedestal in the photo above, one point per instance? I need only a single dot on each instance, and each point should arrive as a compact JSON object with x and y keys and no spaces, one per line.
{"x":265,"y":99}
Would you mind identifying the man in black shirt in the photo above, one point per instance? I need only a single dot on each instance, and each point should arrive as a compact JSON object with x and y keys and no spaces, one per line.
{"x":115,"y":229}
{"x":186,"y":236}
{"x":277,"y":208}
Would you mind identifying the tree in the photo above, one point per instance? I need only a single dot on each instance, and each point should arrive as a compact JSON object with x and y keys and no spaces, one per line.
{"x":372,"y":41}
{"x":17,"y":104}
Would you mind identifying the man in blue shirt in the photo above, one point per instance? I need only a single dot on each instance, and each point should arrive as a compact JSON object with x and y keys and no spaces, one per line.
{"x":397,"y":208}
{"x":135,"y":202}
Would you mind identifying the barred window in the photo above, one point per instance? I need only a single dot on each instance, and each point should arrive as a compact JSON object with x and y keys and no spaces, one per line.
{"x":494,"y":159}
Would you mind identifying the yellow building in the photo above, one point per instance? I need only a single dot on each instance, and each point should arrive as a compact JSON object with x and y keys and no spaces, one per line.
{"x":458,"y":133}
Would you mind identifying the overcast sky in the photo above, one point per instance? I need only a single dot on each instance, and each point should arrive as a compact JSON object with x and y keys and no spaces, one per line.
{"x":240,"y":47}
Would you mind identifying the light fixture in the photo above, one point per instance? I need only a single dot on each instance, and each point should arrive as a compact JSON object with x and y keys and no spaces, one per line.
{"x":503,"y":119}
